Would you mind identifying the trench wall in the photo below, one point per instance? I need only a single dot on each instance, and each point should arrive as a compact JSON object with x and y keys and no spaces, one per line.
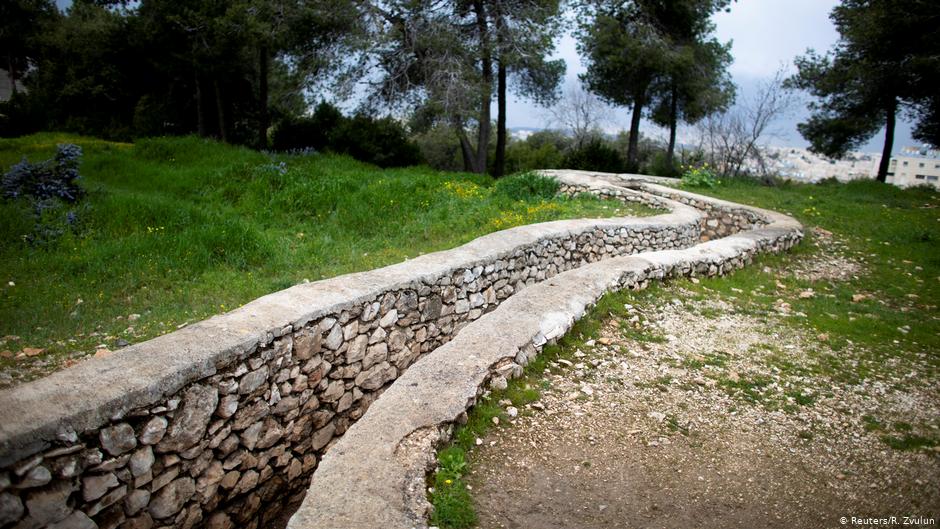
{"x":374,"y":477}
{"x":222,"y":423}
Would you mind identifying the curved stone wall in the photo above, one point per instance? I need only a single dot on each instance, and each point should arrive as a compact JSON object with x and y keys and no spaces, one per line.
{"x":204,"y":426}
{"x":375,"y":475}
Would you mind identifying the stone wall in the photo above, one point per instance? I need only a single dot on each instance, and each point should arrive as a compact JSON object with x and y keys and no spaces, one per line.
{"x":375,"y":476}
{"x":222,"y":424}
{"x":719,"y":218}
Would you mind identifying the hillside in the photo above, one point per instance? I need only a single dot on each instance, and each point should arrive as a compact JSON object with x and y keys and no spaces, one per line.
{"x":174,"y":230}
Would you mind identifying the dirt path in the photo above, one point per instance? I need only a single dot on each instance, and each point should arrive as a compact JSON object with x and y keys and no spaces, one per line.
{"x":715,"y":419}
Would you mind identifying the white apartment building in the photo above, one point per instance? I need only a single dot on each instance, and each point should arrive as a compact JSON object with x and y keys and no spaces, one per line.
{"x":915,"y":166}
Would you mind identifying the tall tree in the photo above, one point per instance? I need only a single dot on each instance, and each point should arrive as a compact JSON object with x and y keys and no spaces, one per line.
{"x":626,"y":53}
{"x":204,"y":54}
{"x":696,"y":81}
{"x":448,"y":57}
{"x":886,"y":61}
{"x":436,"y":56}
{"x":309,"y":35}
{"x":581,"y":113}
{"x":86,"y":72}
{"x":525,"y":31}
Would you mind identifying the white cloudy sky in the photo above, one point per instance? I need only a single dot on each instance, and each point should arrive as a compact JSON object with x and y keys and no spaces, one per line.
{"x":766,"y":34}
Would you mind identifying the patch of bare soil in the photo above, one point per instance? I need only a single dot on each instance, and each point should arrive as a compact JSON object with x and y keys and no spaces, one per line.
{"x":727,"y":420}
{"x":832,"y":263}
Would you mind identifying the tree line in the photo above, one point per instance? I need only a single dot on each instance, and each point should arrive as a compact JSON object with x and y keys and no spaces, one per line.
{"x":237,"y":69}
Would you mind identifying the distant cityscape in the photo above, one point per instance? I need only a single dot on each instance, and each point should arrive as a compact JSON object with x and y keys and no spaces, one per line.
{"x":801,"y":165}
{"x":911,"y":166}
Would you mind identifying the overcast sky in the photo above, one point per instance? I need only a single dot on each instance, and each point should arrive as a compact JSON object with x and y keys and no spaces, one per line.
{"x":765,"y":35}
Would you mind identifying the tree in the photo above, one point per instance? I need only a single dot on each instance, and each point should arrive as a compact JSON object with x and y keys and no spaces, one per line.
{"x":310,"y":35}
{"x":525,"y":31}
{"x":731,"y":140}
{"x":436,"y":57}
{"x":118,"y":69}
{"x":626,"y":53}
{"x":581,"y":113}
{"x":446,"y":58}
{"x":885,"y":62}
{"x":87,"y":72}
{"x":696,"y":82}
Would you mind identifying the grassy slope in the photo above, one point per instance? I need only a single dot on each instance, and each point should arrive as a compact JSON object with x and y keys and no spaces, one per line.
{"x":894,"y":232}
{"x":887,"y":336}
{"x":178,"y":229}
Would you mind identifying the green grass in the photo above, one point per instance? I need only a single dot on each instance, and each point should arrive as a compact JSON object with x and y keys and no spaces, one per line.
{"x":177,"y":229}
{"x":453,"y":505}
{"x":894,"y":232}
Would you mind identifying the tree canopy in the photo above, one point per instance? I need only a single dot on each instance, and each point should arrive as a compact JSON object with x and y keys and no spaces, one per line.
{"x":641,"y":53}
{"x":887,"y":60}
{"x":120,"y":69}
{"x":447,"y":58}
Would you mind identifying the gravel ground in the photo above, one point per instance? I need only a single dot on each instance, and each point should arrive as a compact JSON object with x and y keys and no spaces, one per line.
{"x":706,"y":425}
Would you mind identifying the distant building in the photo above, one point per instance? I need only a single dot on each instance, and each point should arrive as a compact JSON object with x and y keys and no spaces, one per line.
{"x":802,"y":165}
{"x":915,"y":166}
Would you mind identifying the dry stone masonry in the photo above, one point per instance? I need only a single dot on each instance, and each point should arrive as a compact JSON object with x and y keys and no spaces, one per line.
{"x":223,"y":423}
{"x":375,"y":475}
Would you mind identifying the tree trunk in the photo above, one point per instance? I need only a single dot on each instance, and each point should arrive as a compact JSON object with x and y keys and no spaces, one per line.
{"x":499,"y":168}
{"x":633,"y":146}
{"x":891,"y":112}
{"x":466,"y":151}
{"x":200,"y":108}
{"x":263,"y":117}
{"x":499,"y":165}
{"x":220,"y":109}
{"x":12,"y":71}
{"x":486,"y":97}
{"x":673,"y":122}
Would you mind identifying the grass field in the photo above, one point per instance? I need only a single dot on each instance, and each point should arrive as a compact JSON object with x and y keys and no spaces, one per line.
{"x":882,"y":327}
{"x":177,"y":229}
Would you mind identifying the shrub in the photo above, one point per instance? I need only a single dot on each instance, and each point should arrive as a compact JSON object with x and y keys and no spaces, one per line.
{"x":541,"y":150}
{"x":529,"y":186}
{"x":55,"y":178}
{"x":439,"y":148}
{"x":300,"y":133}
{"x":660,"y":166}
{"x":47,"y":185}
{"x":699,"y":177}
{"x":383,"y":142}
{"x":596,"y":155}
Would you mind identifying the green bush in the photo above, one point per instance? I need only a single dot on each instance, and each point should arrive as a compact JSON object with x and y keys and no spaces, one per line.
{"x":383,"y":142}
{"x":439,"y":148}
{"x":541,"y":150}
{"x":529,"y":186}
{"x":313,"y":132}
{"x":596,"y":155}
{"x":699,"y":177}
{"x":660,"y":166}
